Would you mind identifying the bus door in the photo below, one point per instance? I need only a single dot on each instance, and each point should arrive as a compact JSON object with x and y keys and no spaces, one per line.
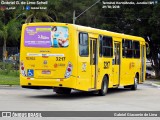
{"x":116,"y":64}
{"x":93,"y":61}
{"x":143,"y":63}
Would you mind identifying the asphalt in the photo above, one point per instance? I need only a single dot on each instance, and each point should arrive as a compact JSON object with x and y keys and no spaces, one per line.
{"x":143,"y":99}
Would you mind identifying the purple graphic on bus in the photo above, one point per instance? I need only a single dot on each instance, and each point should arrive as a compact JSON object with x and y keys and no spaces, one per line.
{"x":46,"y":36}
{"x":37,"y":36}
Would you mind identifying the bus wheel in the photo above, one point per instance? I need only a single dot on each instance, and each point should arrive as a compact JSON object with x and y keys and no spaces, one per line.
{"x":104,"y":87}
{"x":134,"y":86}
{"x":62,"y":90}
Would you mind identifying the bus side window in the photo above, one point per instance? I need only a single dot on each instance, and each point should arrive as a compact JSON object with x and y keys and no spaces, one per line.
{"x":100,"y":46}
{"x":123,"y":48}
{"x":127,"y":48}
{"x":83,"y":44}
{"x":107,"y":46}
{"x":136,"y":51}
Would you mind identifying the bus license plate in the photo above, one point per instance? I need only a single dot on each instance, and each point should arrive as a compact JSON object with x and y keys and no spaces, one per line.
{"x":46,"y":72}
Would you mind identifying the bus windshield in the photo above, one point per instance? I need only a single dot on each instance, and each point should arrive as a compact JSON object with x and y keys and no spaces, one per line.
{"x":46,"y":36}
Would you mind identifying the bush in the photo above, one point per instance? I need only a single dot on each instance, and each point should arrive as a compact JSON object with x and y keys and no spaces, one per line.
{"x":9,"y":68}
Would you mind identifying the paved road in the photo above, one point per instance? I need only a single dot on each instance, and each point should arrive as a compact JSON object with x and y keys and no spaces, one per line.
{"x":15,"y":98}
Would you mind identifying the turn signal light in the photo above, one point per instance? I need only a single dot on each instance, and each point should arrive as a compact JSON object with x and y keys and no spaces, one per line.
{"x":69,"y":70}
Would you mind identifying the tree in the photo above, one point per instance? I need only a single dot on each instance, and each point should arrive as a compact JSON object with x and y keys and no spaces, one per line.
{"x":154,"y":43}
{"x":9,"y":31}
{"x":48,"y":14}
{"x":35,"y":16}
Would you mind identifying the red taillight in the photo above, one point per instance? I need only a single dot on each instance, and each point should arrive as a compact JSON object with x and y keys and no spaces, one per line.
{"x":69,"y":69}
{"x":22,"y":68}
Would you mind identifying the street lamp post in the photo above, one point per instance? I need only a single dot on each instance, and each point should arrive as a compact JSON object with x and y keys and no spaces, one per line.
{"x":74,"y":13}
{"x":19,"y":15}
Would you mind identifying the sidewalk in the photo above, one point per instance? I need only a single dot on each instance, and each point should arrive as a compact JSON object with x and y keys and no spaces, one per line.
{"x":153,"y":82}
{"x":9,"y":85}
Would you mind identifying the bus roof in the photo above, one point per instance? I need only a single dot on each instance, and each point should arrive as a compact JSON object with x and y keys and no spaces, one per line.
{"x":106,"y":32}
{"x":90,"y":30}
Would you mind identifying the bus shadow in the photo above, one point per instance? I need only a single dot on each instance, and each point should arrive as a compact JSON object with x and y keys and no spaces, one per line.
{"x":119,"y":90}
{"x":80,"y":94}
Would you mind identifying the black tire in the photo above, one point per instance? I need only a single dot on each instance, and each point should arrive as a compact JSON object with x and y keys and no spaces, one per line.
{"x":104,"y":87}
{"x":62,"y":90}
{"x":134,"y":86}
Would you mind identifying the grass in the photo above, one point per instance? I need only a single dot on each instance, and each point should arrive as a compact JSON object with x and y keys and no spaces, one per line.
{"x":11,"y":78}
{"x":158,"y":83}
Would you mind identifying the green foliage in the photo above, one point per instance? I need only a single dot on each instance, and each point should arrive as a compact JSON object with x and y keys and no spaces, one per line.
{"x":9,"y":69}
{"x":13,"y":28}
{"x":8,"y":31}
{"x":9,"y":80}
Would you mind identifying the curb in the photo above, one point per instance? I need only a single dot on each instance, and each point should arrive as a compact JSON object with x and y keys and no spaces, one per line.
{"x":153,"y":84}
{"x":9,"y":85}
